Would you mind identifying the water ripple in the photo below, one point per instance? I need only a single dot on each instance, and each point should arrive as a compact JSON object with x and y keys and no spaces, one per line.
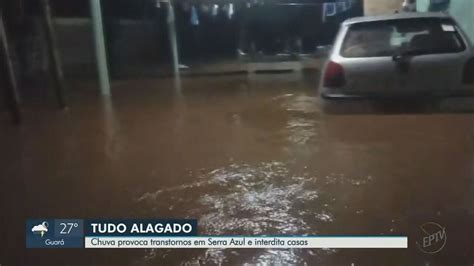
{"x":243,"y":199}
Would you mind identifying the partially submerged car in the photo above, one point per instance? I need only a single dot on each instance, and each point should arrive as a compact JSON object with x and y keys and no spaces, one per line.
{"x":399,"y":55}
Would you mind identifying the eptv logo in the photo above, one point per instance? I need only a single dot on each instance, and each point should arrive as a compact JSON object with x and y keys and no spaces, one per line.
{"x":434,"y":238}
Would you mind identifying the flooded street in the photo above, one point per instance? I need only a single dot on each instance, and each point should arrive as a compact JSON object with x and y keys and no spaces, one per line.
{"x":245,"y":156}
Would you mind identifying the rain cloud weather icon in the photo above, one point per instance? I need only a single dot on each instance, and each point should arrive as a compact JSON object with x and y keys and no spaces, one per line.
{"x":40,"y":228}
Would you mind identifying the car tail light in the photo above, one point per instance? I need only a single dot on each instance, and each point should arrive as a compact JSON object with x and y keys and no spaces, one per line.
{"x":468,"y":75}
{"x":334,"y":75}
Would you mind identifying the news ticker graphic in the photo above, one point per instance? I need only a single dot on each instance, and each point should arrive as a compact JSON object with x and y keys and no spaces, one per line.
{"x":247,"y":242}
{"x":57,"y":233}
{"x":166,"y":233}
{"x":72,"y":233}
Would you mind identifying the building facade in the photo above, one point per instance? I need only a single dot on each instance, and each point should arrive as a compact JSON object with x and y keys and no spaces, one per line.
{"x":381,"y":7}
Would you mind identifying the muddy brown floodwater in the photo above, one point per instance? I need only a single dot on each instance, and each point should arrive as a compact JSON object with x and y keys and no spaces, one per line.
{"x":243,"y":155}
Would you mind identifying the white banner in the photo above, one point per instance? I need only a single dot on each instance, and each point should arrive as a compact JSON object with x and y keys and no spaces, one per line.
{"x":247,"y":242}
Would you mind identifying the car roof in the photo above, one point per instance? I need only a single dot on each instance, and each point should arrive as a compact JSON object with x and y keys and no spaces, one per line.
{"x":403,"y":15}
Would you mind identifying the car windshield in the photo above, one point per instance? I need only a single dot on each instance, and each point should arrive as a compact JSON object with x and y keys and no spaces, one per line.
{"x":403,"y":36}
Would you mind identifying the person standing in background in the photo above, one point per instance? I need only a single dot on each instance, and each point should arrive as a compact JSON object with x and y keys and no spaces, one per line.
{"x":195,"y":31}
{"x":409,"y":6}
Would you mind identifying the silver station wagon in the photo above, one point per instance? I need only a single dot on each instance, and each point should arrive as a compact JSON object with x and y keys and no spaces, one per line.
{"x":399,"y":55}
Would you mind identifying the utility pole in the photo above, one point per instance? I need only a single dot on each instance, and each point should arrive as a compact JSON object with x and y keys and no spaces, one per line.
{"x":8,"y":74}
{"x":100,"y":51}
{"x":53,"y":53}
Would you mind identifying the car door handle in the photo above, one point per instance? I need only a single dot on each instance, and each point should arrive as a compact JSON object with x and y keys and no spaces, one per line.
{"x":397,"y":58}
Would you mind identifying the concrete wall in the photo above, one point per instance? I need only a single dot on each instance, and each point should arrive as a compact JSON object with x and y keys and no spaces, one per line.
{"x":422,"y":5}
{"x":463,"y":11}
{"x":135,"y":43}
{"x":381,"y":7}
{"x":75,"y":41}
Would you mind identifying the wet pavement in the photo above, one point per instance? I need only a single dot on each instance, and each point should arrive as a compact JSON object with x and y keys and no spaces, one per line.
{"x":244,"y":155}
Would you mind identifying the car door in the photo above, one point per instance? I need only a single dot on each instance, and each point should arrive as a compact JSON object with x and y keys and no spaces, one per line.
{"x":434,"y":74}
{"x":439,"y":71}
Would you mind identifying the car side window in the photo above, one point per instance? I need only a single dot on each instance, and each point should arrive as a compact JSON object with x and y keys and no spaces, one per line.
{"x":367,"y":41}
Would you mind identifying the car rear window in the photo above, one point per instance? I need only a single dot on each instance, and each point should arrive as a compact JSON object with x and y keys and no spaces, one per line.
{"x":403,"y":36}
